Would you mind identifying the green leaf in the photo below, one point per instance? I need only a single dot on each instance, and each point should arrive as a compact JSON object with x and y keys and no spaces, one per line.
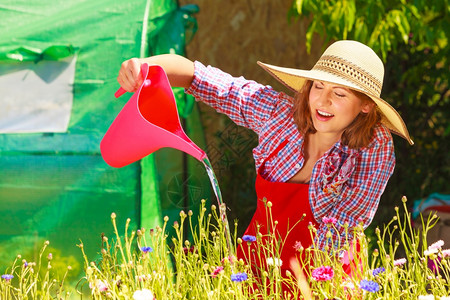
{"x":299,"y":6}
{"x":309,"y":35}
{"x":399,"y":19}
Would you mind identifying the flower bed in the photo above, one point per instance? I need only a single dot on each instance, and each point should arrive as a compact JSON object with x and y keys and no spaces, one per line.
{"x":150,"y":264}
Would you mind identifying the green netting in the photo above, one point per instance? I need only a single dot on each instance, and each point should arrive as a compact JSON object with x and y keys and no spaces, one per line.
{"x":56,"y":186}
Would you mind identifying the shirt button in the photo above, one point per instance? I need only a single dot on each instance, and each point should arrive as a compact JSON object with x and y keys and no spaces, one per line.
{"x":297,"y":166}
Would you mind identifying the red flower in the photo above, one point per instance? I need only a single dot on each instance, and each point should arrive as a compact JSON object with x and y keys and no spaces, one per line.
{"x":216,"y":271}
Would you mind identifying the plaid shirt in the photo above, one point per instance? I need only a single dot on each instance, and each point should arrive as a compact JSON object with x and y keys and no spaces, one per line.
{"x":346,"y":184}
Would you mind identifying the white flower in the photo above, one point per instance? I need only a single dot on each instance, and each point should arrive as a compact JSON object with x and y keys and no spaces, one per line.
{"x":438,"y":245}
{"x":273,"y":261}
{"x":426,"y":297}
{"x":143,"y":294}
{"x":347,"y":284}
{"x":429,"y":251}
{"x":399,"y":262}
{"x":444,"y":298}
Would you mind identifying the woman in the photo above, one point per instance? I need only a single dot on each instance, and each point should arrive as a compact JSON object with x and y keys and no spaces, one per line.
{"x":324,"y":155}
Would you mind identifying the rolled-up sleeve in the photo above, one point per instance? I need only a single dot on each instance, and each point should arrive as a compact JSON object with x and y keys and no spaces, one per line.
{"x":245,"y":102}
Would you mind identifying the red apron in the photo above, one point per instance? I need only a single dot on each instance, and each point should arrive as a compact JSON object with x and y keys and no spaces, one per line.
{"x":290,"y":208}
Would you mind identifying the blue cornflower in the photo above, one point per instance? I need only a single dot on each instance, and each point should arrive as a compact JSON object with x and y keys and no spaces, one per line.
{"x":249,"y":238}
{"x":146,"y":249}
{"x":378,"y":271}
{"x":238,"y":277}
{"x":370,"y":286}
{"x":7,"y":277}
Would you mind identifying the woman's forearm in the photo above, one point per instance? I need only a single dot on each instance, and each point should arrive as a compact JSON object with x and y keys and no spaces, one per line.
{"x":179,"y":69}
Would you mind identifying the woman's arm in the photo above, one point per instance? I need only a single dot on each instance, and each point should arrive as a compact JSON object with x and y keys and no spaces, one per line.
{"x":179,"y":70}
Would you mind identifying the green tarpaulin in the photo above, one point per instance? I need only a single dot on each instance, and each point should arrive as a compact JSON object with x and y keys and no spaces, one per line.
{"x":54,"y":184}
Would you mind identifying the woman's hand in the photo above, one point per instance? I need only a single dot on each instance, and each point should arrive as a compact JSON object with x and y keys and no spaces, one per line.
{"x":130,"y":76}
{"x":179,"y":70}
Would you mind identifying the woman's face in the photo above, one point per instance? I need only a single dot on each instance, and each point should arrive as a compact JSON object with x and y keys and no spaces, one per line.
{"x":333,"y":107}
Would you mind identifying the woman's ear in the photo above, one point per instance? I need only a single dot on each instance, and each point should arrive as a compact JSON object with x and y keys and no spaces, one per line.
{"x":367,"y":107}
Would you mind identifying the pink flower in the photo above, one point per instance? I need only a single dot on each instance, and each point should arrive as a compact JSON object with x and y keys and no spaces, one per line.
{"x":330,"y":220}
{"x":298,"y":246}
{"x":399,"y":262}
{"x":446,"y":253}
{"x":99,"y":285}
{"x":216,"y":271}
{"x":230,"y":259}
{"x":323,"y":273}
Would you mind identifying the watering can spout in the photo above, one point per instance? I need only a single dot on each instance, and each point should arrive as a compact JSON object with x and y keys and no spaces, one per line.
{"x":149,"y":121}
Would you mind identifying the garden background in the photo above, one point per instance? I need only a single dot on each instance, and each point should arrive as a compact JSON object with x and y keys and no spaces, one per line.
{"x":54,"y":184}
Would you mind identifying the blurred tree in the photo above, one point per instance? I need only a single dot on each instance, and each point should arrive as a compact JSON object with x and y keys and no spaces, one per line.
{"x":412,"y":39}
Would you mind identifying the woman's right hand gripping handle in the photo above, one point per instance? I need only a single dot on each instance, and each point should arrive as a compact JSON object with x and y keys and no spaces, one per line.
{"x":179,"y":70}
{"x":130,"y":76}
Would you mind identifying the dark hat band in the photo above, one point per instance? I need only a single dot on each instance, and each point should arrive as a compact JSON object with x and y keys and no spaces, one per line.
{"x":351,"y":72}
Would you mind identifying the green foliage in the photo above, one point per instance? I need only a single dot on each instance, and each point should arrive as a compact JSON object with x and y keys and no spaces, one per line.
{"x":382,"y":25}
{"x":141,"y":264}
{"x":43,"y":278}
{"x":412,"y":39}
{"x":204,"y":268}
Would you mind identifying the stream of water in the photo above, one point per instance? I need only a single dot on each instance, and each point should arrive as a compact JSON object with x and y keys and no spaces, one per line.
{"x":222,"y":205}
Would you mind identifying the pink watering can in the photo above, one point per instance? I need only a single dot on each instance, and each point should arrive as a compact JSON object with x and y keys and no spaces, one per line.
{"x":148,"y":121}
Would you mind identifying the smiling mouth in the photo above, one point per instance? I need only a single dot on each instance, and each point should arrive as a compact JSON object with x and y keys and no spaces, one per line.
{"x":324,"y":114}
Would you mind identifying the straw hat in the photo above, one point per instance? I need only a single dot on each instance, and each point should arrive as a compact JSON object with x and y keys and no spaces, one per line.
{"x":350,"y":64}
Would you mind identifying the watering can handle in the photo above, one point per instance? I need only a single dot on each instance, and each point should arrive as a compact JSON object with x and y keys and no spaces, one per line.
{"x":121,"y":91}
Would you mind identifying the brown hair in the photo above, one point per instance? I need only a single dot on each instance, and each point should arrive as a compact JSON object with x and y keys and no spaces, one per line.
{"x":357,"y":135}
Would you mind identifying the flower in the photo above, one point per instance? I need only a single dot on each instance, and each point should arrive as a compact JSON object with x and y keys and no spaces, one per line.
{"x":146,"y":249}
{"x":238,"y":277}
{"x":433,"y":264}
{"x":370,"y":286}
{"x":143,"y":294}
{"x":399,"y":262}
{"x":330,"y":220}
{"x":434,"y":248}
{"x":426,"y":297}
{"x":7,"y":277}
{"x":216,"y":271}
{"x":348,"y":285}
{"x":99,"y":285}
{"x":229,"y":259}
{"x":446,"y":253}
{"x":249,"y":238}
{"x":273,"y":261}
{"x":378,"y":271}
{"x":187,"y":250}
{"x":438,"y":245}
{"x":323,"y":273}
{"x":298,"y":246}
{"x":431,"y":251}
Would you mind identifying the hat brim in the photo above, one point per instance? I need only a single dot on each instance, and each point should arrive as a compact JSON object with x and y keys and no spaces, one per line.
{"x":294,"y":79}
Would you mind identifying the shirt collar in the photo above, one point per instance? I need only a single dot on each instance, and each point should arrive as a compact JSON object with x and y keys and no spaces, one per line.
{"x":344,"y":148}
